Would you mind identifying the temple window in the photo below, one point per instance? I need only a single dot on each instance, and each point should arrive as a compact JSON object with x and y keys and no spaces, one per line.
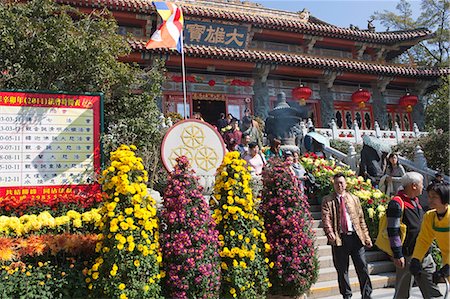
{"x":348,"y":119}
{"x":358,"y":119}
{"x":339,"y":119}
{"x":367,"y":120}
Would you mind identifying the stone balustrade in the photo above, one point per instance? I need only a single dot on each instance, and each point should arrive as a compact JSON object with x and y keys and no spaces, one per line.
{"x":354,"y":135}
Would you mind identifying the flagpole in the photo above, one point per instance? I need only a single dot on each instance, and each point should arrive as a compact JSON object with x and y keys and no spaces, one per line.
{"x":183,"y":70}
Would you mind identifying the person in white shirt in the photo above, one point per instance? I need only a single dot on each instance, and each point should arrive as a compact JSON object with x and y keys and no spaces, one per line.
{"x":255,"y":159}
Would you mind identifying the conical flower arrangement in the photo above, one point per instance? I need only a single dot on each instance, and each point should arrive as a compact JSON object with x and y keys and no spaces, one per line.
{"x":241,"y":232}
{"x":189,"y":240}
{"x":128,"y":247}
{"x":293,"y":258}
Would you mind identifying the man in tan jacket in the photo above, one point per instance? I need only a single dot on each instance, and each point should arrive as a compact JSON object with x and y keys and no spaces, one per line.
{"x":347,"y":233}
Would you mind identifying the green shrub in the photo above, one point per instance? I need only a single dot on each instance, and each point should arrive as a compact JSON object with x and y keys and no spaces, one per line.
{"x":435,"y":147}
{"x":342,"y":145}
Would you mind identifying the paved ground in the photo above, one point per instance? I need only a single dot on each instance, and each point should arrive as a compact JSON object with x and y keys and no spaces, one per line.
{"x":389,"y":293}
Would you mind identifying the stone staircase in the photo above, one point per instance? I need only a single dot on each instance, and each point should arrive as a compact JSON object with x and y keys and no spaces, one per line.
{"x":381,"y":269}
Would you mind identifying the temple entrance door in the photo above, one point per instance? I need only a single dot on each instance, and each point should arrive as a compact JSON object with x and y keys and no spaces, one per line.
{"x":210,"y":110}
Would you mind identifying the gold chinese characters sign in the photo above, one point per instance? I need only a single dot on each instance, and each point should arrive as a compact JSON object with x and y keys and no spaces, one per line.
{"x":212,"y":34}
{"x":198,"y":141}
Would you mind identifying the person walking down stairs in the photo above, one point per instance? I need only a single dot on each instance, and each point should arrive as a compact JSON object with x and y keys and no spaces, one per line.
{"x":347,"y":233}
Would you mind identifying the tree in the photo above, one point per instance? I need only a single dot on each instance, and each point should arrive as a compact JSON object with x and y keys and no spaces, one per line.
{"x":434,"y":52}
{"x":50,"y":47}
{"x":46,"y":46}
{"x":435,"y":15}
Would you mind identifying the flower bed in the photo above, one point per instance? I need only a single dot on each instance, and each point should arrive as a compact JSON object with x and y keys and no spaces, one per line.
{"x":288,"y":221}
{"x":373,"y":201}
{"x":128,"y":246}
{"x":241,"y":232}
{"x":189,"y":240}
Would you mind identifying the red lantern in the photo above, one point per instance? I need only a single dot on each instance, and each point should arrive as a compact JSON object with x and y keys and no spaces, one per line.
{"x":302,"y":93}
{"x":211,"y":83}
{"x":408,"y":100}
{"x":360,"y":97}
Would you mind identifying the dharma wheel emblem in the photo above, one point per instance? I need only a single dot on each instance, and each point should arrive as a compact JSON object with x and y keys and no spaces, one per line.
{"x":193,"y":136}
{"x":178,"y":152}
{"x":206,"y":158}
{"x":198,"y":141}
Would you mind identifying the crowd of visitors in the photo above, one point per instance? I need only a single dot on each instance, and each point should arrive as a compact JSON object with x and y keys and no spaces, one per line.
{"x":343,"y":218}
{"x":346,"y":231}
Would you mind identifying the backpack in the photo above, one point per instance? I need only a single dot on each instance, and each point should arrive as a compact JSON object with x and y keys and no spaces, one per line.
{"x":382,"y":241}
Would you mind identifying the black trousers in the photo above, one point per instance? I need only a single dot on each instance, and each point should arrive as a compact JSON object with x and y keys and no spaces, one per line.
{"x":351,"y":246}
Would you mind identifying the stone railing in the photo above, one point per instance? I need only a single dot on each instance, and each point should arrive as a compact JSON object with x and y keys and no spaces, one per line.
{"x":354,"y":135}
{"x":419,"y":163}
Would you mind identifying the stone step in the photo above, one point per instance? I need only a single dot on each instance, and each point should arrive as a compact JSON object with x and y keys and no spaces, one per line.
{"x":321,"y":240}
{"x":371,"y":256}
{"x":326,"y":289}
{"x":324,"y":250}
{"x":317,"y":223}
{"x":329,"y":274}
{"x":316,"y":215}
{"x":318,"y":231}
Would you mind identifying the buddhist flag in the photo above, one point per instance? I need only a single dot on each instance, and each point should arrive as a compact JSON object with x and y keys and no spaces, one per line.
{"x":168,"y":34}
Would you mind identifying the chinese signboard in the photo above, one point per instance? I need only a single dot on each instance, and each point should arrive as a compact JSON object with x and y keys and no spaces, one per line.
{"x":49,"y":144}
{"x":210,"y":34}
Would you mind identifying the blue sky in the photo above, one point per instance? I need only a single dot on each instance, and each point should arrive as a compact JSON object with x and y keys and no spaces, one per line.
{"x":341,"y":13}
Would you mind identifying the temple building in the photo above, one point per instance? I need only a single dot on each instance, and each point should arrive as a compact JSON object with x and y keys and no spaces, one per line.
{"x":239,"y":55}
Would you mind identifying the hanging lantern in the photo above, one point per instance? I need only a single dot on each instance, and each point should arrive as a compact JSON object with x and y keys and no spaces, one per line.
{"x":408,"y":101}
{"x":360,"y":97}
{"x":302,"y":93}
{"x":211,"y":83}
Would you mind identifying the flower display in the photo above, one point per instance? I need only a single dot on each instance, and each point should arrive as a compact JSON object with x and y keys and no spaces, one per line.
{"x":128,"y":247}
{"x":241,"y":232}
{"x":288,"y":222}
{"x":15,"y":249}
{"x":373,"y":201}
{"x":45,"y":222}
{"x":55,"y":277}
{"x":189,"y":240}
{"x":15,"y":206}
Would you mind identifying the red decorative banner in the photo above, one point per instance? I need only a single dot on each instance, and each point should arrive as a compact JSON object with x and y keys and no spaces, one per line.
{"x":49,"y":145}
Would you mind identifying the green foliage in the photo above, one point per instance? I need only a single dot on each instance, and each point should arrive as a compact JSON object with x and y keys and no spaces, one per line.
{"x":433,"y":52}
{"x":435,"y":15}
{"x":136,"y":119}
{"x":435,"y":148}
{"x":437,"y":113}
{"x":48,"y":279}
{"x":342,"y":145}
{"x":43,"y":47}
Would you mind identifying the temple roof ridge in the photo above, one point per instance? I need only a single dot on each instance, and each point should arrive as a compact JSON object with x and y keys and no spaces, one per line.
{"x":305,"y":60}
{"x":267,"y":21}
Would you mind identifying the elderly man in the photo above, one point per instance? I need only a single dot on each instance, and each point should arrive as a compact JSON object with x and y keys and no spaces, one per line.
{"x":347,"y":233}
{"x":405,"y":208}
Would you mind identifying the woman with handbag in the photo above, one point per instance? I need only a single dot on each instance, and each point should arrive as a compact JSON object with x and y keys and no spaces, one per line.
{"x":435,"y":226}
{"x":394,"y":173}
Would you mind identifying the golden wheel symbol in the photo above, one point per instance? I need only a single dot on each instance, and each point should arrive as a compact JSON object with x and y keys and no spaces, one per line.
{"x":178,"y":152}
{"x":193,"y":136}
{"x":206,"y":158}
